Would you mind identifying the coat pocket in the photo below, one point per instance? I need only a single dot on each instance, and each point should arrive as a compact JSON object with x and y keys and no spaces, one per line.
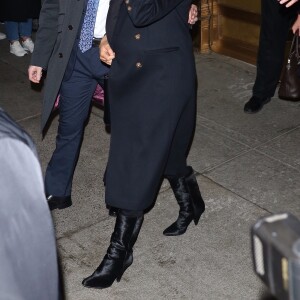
{"x":161,"y":50}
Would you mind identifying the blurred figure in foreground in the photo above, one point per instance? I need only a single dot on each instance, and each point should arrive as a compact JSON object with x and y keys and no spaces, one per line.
{"x":28,"y":258}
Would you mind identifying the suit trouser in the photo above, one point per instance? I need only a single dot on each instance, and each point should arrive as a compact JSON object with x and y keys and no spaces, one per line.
{"x":75,"y":99}
{"x":275,"y":24}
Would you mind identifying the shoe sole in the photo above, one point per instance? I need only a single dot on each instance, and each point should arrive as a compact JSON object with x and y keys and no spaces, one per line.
{"x":18,"y":55}
{"x":60,"y":205}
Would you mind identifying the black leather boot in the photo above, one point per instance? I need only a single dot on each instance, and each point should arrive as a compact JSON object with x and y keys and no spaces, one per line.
{"x":190,"y":201}
{"x":119,"y":254}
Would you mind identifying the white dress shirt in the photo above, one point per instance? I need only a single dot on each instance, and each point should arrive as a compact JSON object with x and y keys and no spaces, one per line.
{"x":99,"y":30}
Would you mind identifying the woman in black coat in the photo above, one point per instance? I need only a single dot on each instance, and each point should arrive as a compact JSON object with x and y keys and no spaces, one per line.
{"x":17,"y":16}
{"x":152,"y":88}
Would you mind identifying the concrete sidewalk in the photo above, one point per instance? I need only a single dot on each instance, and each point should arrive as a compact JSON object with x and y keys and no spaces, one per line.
{"x":247,"y":166}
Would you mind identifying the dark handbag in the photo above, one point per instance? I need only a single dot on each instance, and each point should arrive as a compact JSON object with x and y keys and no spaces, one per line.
{"x":289,"y":88}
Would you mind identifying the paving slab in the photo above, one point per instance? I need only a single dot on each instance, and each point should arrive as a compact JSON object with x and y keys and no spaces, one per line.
{"x":210,"y":261}
{"x":261,"y":179}
{"x":284,"y":148}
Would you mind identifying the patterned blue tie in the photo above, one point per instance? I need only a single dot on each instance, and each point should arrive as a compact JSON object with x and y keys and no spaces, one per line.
{"x":87,"y":30}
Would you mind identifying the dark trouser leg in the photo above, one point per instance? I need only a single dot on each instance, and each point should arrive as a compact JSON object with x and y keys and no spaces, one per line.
{"x":73,"y":113}
{"x":275,"y":24}
{"x":76,"y":93}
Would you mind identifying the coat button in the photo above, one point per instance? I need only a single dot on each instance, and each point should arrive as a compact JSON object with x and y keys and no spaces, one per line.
{"x":137,"y":36}
{"x":60,"y":55}
{"x":138,"y":65}
{"x":129,"y":8}
{"x":70,"y":27}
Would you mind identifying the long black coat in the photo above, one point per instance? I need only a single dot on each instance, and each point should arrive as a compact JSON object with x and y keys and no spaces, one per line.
{"x":151,"y":86}
{"x":19,"y":10}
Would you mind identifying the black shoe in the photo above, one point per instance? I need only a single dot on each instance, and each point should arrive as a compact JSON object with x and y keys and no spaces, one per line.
{"x":59,"y":202}
{"x":255,"y":104}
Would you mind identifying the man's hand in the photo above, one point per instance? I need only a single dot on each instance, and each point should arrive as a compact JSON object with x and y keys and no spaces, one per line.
{"x":106,"y":53}
{"x":288,"y":3}
{"x":193,"y":14}
{"x":35,"y":73}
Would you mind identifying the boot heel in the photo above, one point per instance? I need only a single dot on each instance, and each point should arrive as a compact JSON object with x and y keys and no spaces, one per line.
{"x":118,"y":279}
{"x":125,"y":267}
{"x":196,"y":220}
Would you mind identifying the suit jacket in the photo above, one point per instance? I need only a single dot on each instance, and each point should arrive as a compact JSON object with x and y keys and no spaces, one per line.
{"x":59,"y":25}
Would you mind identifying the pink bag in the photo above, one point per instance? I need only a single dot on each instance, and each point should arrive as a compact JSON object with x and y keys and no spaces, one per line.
{"x":98,"y":97}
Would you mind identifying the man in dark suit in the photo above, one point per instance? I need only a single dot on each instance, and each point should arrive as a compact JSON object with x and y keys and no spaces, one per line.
{"x":72,"y":72}
{"x":276,"y":21}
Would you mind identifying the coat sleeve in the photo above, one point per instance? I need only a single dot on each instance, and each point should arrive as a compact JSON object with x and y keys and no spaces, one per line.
{"x":145,"y":12}
{"x":47,"y":34}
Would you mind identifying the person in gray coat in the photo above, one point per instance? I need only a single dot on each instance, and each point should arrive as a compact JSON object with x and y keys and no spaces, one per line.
{"x":28,"y":259}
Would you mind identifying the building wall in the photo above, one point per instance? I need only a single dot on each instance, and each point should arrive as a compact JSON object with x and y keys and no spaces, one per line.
{"x":230,"y":27}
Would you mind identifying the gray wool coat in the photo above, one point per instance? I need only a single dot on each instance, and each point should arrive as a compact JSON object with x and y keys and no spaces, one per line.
{"x":58,"y":29}
{"x":27,"y":236}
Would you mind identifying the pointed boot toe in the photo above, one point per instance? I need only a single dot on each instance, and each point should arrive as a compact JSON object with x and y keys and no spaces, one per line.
{"x":173,"y":230}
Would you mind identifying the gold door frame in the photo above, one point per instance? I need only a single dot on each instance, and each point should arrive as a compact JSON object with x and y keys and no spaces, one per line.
{"x":230,"y":27}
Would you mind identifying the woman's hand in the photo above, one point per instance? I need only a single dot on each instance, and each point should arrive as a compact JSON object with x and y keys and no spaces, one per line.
{"x":106,"y":53}
{"x":193,"y":14}
{"x":296,"y":26}
{"x":287,"y":3}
